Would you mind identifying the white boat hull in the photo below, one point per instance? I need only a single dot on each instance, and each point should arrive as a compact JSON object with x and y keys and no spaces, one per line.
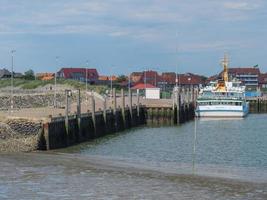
{"x":221,"y":111}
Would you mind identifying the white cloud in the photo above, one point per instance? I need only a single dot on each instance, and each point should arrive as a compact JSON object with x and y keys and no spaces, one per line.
{"x":149,"y":21}
{"x":241,"y":5}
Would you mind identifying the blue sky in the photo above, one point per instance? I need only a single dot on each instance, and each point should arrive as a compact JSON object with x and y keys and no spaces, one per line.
{"x":119,"y":36}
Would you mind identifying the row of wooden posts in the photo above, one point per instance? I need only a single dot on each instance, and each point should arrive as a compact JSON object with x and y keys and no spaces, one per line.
{"x":92,"y":109}
{"x":67,"y":130}
{"x":184,"y":98}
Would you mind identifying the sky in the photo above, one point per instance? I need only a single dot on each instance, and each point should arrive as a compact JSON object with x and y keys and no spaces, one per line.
{"x":120,"y":36}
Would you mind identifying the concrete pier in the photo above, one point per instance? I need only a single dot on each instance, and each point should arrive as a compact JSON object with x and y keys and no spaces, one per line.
{"x":79,"y":126}
{"x":58,"y":135}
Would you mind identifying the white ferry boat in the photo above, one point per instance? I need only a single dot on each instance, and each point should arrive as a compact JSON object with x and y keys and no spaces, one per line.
{"x":222,"y":98}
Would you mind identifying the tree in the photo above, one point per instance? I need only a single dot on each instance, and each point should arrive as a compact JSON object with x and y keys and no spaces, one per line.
{"x":29,"y":75}
{"x":121,"y":78}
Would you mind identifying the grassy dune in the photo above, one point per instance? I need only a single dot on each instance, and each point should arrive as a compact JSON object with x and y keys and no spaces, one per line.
{"x":33,"y":84}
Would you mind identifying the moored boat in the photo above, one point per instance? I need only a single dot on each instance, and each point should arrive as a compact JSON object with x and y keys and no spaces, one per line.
{"x":222,"y":98}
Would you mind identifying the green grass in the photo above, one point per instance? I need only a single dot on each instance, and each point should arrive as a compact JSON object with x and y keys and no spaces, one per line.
{"x":33,"y":84}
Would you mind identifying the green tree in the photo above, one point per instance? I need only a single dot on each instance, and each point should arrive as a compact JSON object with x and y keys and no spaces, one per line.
{"x":29,"y":75}
{"x":121,"y":78}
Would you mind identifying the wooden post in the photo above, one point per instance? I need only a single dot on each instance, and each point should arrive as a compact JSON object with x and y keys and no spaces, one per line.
{"x":196,"y":96}
{"x":173,"y":99}
{"x":46,"y":135}
{"x":123,"y":106}
{"x":178,"y":105}
{"x":67,"y":94}
{"x":130,"y":103}
{"x":93,"y":110}
{"x":138,"y":103}
{"x":79,"y":113}
{"x":114,"y":100}
{"x":192,"y":94}
{"x":105,"y":110}
{"x":79,"y":103}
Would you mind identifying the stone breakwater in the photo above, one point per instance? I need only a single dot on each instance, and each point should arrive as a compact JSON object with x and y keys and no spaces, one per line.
{"x":32,"y":101}
{"x":19,"y":135}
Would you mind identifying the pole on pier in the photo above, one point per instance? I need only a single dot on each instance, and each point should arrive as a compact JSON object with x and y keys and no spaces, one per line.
{"x":114,"y":100}
{"x":123,"y":105}
{"x":178,"y":97}
{"x":79,"y":104}
{"x":79,"y":112}
{"x":93,"y":110}
{"x":105,"y":109}
{"x":195,"y":95}
{"x":138,"y":103}
{"x":68,"y":95}
{"x":130,"y":102}
{"x":192,"y":94}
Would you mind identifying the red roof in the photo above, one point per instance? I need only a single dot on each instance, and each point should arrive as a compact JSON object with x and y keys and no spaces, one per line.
{"x":244,"y":70}
{"x":68,"y":72}
{"x":142,"y":86}
{"x":183,"y":79}
{"x":169,"y":77}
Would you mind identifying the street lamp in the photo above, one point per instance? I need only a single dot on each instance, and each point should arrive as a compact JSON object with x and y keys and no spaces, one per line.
{"x":55,"y":85}
{"x":12,"y":80}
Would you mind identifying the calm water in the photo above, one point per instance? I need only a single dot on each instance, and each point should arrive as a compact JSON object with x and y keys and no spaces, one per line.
{"x":230,"y":162}
{"x":234,"y":144}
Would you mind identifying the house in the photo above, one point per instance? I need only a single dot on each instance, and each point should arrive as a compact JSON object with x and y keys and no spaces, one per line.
{"x":170,"y":79}
{"x":212,"y":78}
{"x":45,"y":76}
{"x":18,"y":75}
{"x":263,"y":81}
{"x":142,"y":86}
{"x":136,"y":77}
{"x":4,"y":73}
{"x":149,"y":76}
{"x":103,"y":78}
{"x":148,"y":90}
{"x":249,"y":76}
{"x":79,"y":74}
{"x":190,"y":79}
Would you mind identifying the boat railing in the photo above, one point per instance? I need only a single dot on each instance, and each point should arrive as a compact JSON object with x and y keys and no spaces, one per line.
{"x":219,"y":98}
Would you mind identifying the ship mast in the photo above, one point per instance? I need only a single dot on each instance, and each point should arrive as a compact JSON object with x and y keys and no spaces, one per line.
{"x":225,"y":63}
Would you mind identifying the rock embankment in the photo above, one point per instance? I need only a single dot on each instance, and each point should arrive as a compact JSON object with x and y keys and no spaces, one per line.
{"x":19,"y":135}
{"x":30,"y":101}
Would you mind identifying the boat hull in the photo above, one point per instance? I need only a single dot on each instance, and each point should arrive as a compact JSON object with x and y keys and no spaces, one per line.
{"x":217,"y":112}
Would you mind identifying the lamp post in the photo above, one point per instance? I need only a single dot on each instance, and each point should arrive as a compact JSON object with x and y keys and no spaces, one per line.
{"x":12,"y":80}
{"x":55,"y":86}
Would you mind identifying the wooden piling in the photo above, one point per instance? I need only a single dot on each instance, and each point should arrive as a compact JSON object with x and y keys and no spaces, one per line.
{"x":130,"y":102}
{"x":114,"y":100}
{"x":178,"y":100}
{"x":67,"y":96}
{"x":138,"y":103}
{"x":93,"y":111}
{"x":105,"y":109}
{"x":123,"y":107}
